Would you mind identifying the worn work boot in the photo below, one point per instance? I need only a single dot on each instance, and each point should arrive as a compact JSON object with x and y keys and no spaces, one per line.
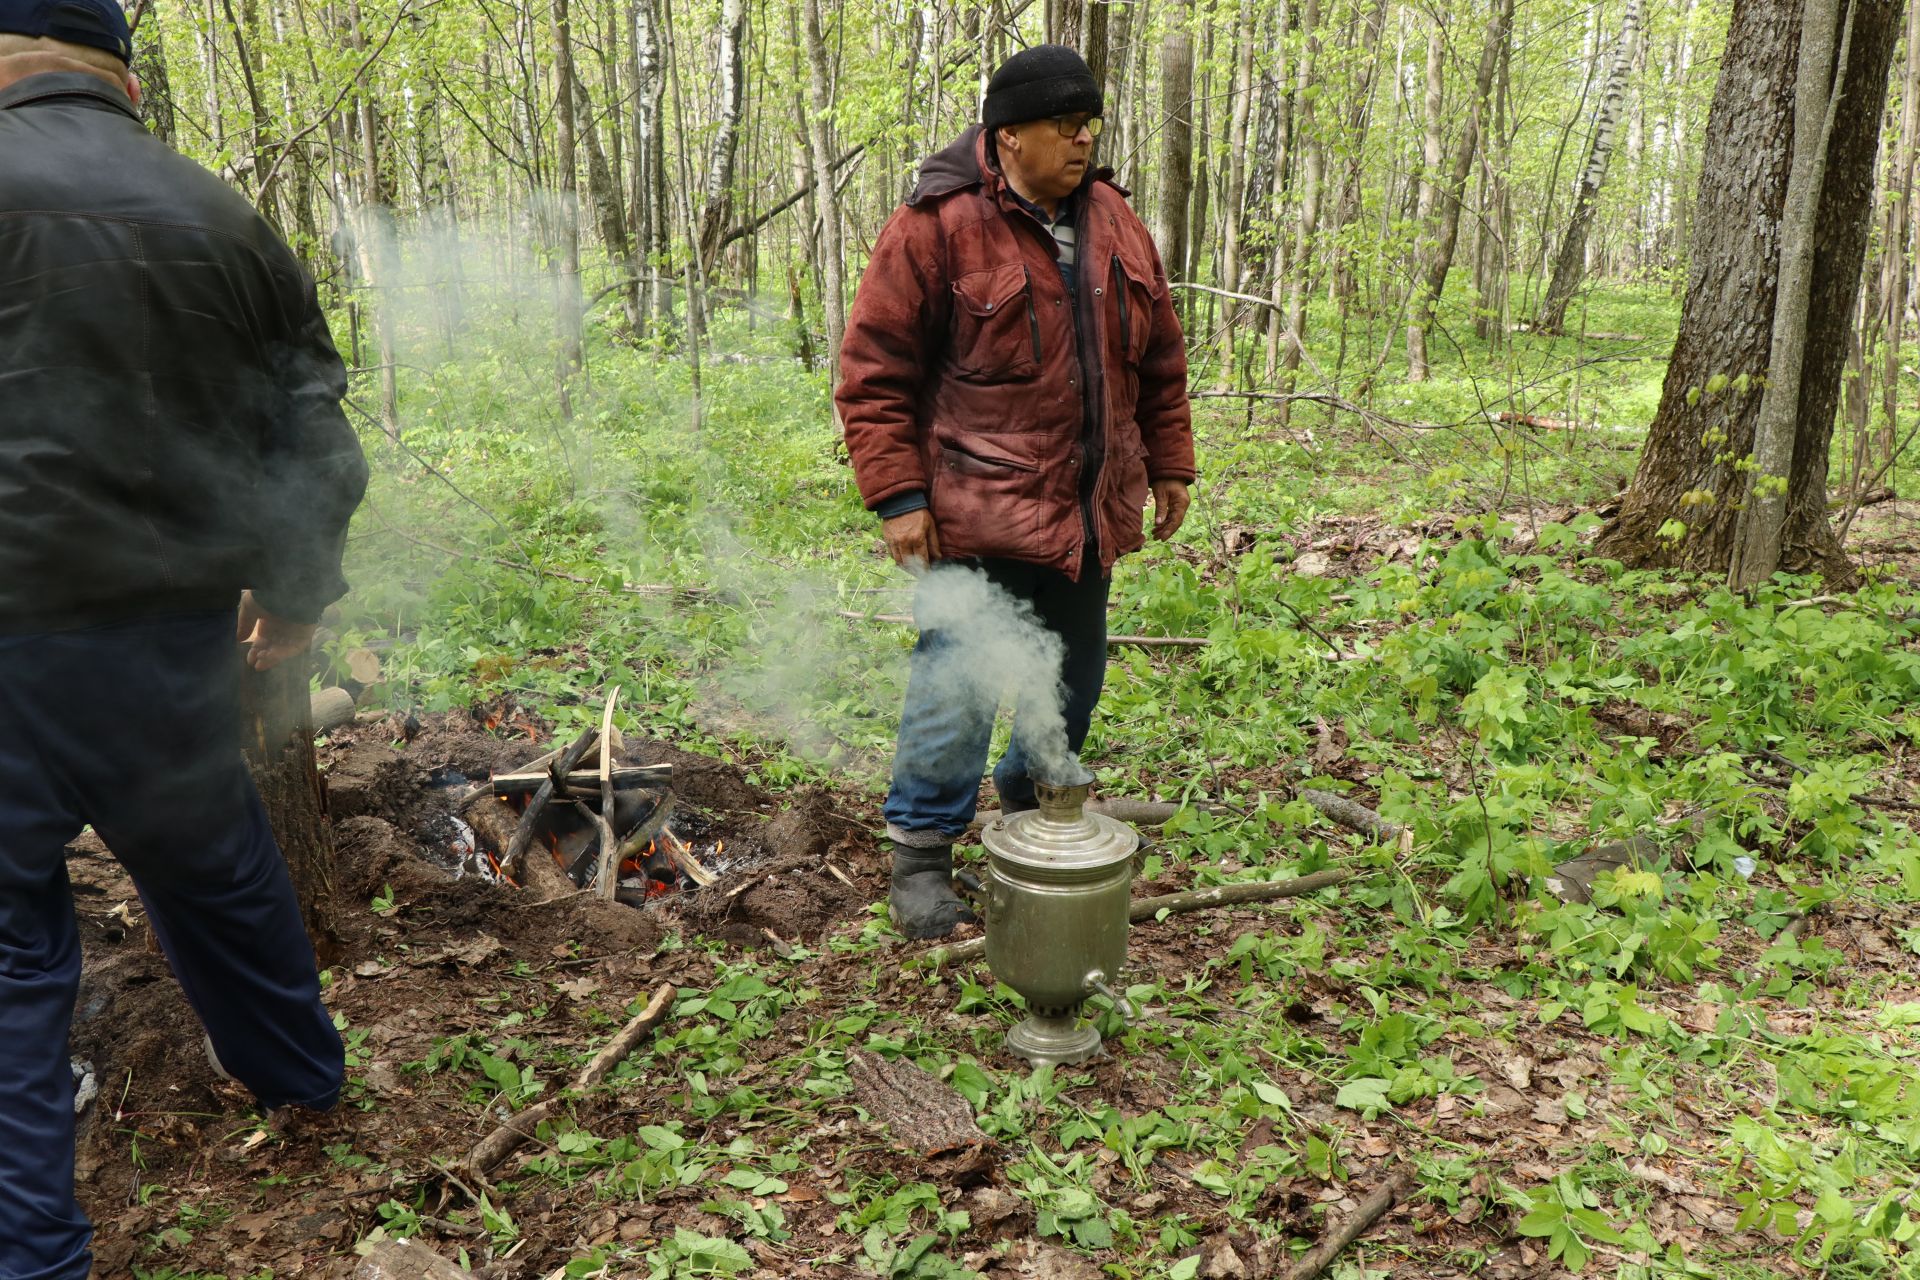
{"x":922,"y":899}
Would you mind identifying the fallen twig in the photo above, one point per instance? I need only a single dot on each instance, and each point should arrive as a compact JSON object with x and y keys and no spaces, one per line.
{"x":1335,"y":1242}
{"x":1351,"y":814}
{"x":1220,"y":895}
{"x":505,"y":1140}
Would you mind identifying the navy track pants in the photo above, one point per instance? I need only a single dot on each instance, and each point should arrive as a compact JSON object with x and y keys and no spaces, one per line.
{"x":134,"y":728}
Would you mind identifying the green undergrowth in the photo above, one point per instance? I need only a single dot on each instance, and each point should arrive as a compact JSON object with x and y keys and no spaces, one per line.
{"x":1510,"y":700}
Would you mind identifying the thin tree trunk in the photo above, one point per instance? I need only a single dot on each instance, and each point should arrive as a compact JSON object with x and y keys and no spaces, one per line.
{"x":1286,"y":332}
{"x":1818,"y":86}
{"x":1176,"y":109}
{"x":374,"y":236}
{"x":602,"y":191}
{"x":1571,"y":263}
{"x":566,"y":211}
{"x":833,"y":300}
{"x":1232,"y":214}
{"x":1440,"y":261}
{"x":1433,"y":139}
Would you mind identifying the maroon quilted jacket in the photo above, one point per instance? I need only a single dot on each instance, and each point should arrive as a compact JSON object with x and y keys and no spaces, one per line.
{"x":965,"y":375}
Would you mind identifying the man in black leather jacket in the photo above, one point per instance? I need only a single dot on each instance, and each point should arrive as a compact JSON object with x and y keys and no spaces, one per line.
{"x":171,"y":450}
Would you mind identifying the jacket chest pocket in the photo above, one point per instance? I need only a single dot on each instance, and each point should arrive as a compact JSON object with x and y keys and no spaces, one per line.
{"x":996,"y":330}
{"x":1135,"y":293}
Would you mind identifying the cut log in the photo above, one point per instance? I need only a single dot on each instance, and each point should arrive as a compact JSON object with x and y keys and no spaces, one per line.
{"x":494,"y":823}
{"x":507,"y":1139}
{"x":331,"y":708}
{"x":1221,"y":895}
{"x":582,"y":782}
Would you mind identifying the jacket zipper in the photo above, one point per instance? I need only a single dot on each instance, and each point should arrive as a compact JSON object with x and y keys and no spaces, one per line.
{"x":1120,"y":296}
{"x":1033,"y":317}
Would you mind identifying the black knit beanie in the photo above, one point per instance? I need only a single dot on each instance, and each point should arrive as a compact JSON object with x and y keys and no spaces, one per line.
{"x":1046,"y":80}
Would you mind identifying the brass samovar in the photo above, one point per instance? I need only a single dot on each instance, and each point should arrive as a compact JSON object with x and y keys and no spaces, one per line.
{"x":1058,"y":890}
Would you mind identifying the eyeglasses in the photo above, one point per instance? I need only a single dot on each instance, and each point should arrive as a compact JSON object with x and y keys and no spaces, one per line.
{"x":1070,"y":126}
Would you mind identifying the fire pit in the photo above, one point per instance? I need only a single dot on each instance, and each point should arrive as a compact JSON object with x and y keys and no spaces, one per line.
{"x":558,"y":825}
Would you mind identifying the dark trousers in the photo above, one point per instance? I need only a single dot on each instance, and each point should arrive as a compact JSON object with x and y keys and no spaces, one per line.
{"x":946,"y":727}
{"x":135,"y":728}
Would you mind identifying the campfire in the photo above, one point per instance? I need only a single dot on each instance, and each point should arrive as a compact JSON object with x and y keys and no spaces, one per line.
{"x":579,"y":819}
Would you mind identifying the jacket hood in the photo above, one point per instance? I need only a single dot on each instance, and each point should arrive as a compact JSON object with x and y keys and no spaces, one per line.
{"x":964,"y":163}
{"x":961,"y":163}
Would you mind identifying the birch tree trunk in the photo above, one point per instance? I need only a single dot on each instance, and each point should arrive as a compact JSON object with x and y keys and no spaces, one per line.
{"x":716,"y":203}
{"x":1571,"y":263}
{"x":1896,"y":259}
{"x":653,"y":225}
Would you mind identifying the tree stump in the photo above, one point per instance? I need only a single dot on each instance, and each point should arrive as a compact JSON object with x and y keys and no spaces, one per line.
{"x":277,"y":736}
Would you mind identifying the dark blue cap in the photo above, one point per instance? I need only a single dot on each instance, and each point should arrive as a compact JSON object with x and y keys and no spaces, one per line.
{"x":97,"y":24}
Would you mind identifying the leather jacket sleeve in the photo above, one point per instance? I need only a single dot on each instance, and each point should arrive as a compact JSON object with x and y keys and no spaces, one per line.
{"x":893,"y":334}
{"x":313,"y":473}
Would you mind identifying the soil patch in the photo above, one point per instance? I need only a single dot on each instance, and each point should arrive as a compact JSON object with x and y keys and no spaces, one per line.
{"x":418,"y":974}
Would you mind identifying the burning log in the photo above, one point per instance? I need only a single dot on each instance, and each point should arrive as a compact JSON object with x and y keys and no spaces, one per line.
{"x":494,"y":823}
{"x":582,"y":782}
{"x":515,"y":857}
{"x":689,"y":865}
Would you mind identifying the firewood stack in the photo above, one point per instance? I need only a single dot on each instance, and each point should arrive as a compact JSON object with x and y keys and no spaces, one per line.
{"x":560,"y":824}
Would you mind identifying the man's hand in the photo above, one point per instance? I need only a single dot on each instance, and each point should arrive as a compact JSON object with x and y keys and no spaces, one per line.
{"x":912,"y":540}
{"x":1169,"y":507}
{"x":270,"y":640}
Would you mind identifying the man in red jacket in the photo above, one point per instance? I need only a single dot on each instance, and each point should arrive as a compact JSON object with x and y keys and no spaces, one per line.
{"x":1014,"y":388}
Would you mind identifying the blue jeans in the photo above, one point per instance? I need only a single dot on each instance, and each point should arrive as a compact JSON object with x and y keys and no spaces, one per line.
{"x":135,"y":728}
{"x":946,"y":727}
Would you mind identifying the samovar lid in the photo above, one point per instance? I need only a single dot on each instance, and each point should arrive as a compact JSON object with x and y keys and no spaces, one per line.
{"x":1060,"y":836}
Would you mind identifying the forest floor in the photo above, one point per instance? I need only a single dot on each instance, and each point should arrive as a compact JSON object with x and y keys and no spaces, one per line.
{"x":1682,"y":1078}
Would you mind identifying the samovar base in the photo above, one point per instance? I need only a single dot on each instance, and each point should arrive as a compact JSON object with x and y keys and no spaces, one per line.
{"x":1054,"y":1039}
